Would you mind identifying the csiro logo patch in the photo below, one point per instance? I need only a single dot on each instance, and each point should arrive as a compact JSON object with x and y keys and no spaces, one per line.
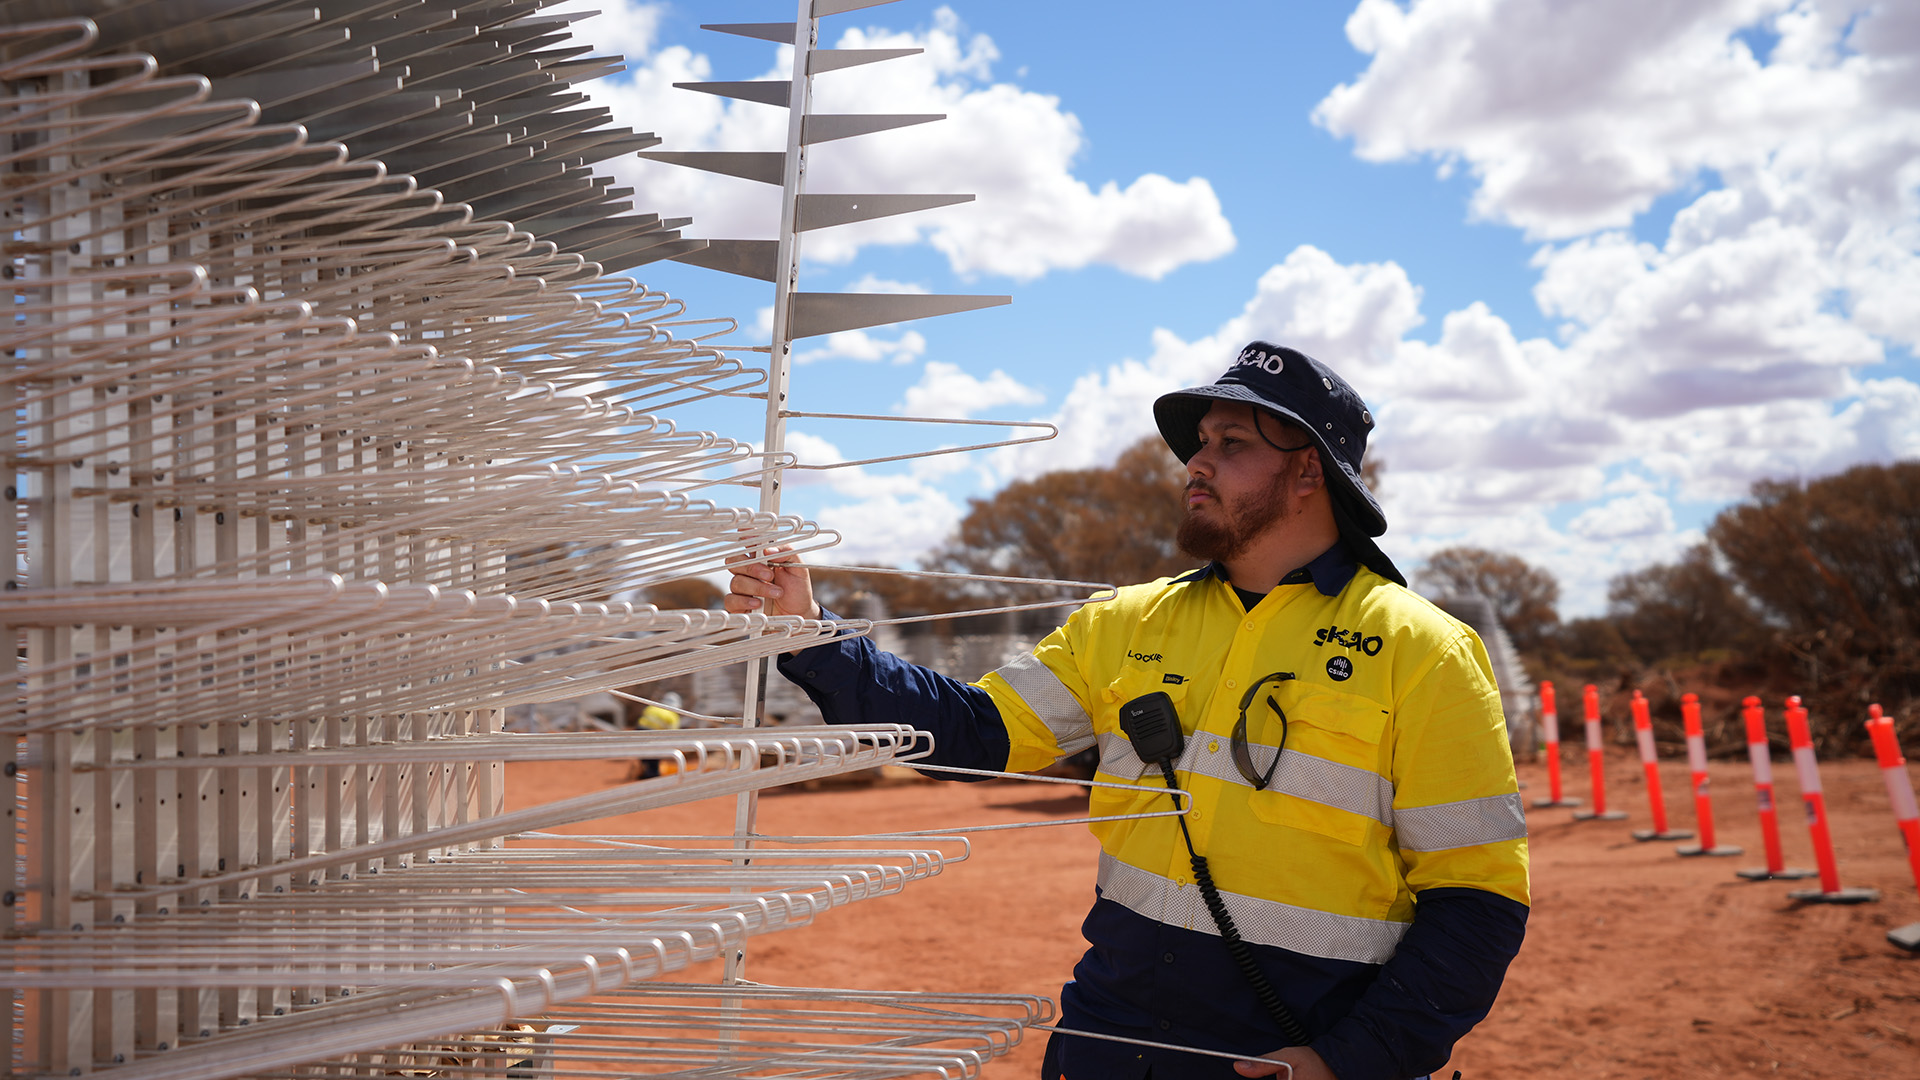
{"x":1339,"y":669}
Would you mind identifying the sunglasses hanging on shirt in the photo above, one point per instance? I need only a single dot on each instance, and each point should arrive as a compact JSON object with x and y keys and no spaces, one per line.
{"x":1242,"y":753}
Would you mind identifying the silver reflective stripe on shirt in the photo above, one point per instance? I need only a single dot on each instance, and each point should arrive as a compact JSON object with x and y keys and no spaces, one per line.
{"x":1344,"y":787}
{"x":1262,"y":922}
{"x":1118,"y":759}
{"x":1461,"y":824}
{"x":1051,"y":701}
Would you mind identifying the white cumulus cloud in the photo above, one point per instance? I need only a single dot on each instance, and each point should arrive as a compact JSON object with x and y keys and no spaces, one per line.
{"x":1575,"y":117}
{"x":860,"y":345}
{"x":1642,"y":514}
{"x":627,"y":27}
{"x":945,"y":390}
{"x":1013,"y":148}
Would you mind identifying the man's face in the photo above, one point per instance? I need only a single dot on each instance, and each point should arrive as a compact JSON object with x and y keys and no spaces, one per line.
{"x":1238,"y":484}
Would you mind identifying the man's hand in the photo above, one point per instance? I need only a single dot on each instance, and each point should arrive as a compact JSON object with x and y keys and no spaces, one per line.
{"x":779,"y":586}
{"x":1305,"y":1063}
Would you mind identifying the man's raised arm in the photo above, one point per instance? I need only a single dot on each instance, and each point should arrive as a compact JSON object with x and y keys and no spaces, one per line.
{"x":852,"y":681}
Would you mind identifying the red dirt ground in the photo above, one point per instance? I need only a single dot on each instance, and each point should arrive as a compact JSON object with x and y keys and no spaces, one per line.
{"x":1637,"y":964}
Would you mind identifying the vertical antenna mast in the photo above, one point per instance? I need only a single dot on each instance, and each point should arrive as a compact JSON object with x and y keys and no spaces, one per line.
{"x":799,"y":314}
{"x":793,"y":173}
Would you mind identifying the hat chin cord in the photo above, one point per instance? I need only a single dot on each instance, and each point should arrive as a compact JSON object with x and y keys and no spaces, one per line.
{"x":1262,"y":432}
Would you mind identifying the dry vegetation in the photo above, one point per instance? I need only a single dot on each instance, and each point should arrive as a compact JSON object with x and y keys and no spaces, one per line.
{"x":1808,"y":588}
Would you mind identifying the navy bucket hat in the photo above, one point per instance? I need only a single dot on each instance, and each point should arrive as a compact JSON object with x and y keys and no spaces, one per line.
{"x":1297,"y":388}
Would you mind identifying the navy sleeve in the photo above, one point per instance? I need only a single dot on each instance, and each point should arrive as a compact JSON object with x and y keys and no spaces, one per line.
{"x":1441,"y":982}
{"x":853,"y":682}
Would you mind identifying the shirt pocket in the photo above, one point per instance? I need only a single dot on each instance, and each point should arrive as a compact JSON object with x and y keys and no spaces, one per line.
{"x":1330,"y":787}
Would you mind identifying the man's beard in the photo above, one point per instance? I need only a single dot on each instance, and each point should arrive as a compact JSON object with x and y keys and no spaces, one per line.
{"x":1232,"y":529}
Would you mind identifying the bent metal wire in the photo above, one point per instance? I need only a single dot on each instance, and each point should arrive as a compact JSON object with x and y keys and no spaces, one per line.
{"x":333,"y":429}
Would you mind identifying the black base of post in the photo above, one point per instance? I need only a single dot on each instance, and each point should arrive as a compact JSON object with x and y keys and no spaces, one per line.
{"x":1717,"y":849}
{"x":1644,"y":835}
{"x":1548,"y":804}
{"x":1907,"y":937}
{"x":1761,"y":873}
{"x":1838,"y":896}
{"x":1611,"y":815}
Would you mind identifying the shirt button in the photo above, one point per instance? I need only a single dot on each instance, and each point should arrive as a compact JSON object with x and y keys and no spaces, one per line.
{"x":1166,"y":1025}
{"x":1231,"y":685}
{"x":1168,"y":957}
{"x":1213,"y":747}
{"x":1249,"y":624}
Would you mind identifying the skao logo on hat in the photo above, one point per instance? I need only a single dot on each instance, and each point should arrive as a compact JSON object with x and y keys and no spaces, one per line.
{"x":1270,"y":362}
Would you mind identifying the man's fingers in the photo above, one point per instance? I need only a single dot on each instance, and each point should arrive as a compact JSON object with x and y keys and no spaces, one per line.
{"x":746,"y":585}
{"x":761,"y":564}
{"x":757,"y":571}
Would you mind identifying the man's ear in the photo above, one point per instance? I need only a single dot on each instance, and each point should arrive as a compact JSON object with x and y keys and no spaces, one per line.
{"x":1311,"y":477}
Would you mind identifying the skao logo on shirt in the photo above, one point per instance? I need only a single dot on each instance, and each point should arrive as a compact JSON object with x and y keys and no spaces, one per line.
{"x":1349,"y":639}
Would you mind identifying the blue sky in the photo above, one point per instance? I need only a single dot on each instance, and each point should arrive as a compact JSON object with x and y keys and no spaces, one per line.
{"x":1597,"y":269}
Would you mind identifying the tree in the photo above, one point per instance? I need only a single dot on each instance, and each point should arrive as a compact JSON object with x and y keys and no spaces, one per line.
{"x":681,"y":594}
{"x":1591,"y":650}
{"x":1846,"y":547}
{"x":1524,"y":596}
{"x":1373,"y":472}
{"x":1680,"y":610}
{"x":1115,"y":524}
{"x":901,"y":594}
{"x":1834,"y":567}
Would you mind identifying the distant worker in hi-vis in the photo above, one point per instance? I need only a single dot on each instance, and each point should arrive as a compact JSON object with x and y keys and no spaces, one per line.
{"x":661,"y":716}
{"x":1350,"y":884}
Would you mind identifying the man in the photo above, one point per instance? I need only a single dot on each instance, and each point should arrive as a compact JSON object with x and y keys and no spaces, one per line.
{"x":664,"y":716}
{"x":1354,"y":801}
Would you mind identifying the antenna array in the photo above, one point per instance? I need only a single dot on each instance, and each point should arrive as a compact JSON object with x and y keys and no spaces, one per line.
{"x":330,"y":437}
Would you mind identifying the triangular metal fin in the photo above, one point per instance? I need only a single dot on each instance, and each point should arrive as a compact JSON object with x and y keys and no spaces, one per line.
{"x":763,"y":166}
{"x":747,"y":258}
{"x":826,"y":313}
{"x":819,"y":129}
{"x":825,"y":211}
{"x":780,"y":33}
{"x":821,"y":60}
{"x":823,"y":8}
{"x":637,"y":252}
{"x":764,"y":91}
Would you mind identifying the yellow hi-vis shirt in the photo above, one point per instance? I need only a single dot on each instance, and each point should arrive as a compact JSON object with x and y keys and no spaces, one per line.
{"x":1396,"y":775}
{"x":659,"y":718}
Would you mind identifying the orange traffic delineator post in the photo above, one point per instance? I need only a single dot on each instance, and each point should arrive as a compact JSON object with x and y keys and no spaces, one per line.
{"x":1761,"y":756}
{"x":1893,"y":768}
{"x":1596,"y":762}
{"x":1550,"y":720}
{"x":1650,"y":761}
{"x":1800,"y":736}
{"x":1702,"y":797}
